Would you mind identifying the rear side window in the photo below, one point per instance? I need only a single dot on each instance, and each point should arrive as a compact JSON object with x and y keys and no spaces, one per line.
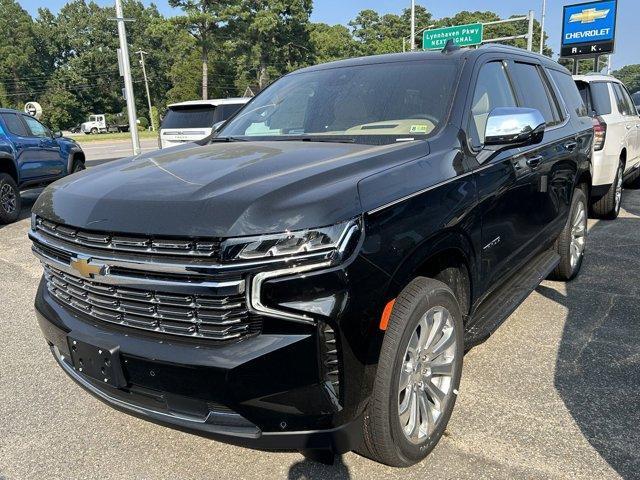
{"x":625,"y":104}
{"x":535,"y":92}
{"x":600,"y":99}
{"x":493,"y":90}
{"x":189,"y":117}
{"x":14,"y":124}
{"x":573,"y":99}
{"x":231,"y":109}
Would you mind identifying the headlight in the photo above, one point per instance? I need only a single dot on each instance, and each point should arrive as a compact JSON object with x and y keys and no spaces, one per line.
{"x":315,"y":242}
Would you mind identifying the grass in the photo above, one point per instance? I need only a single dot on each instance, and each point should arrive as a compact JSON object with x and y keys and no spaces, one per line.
{"x":104,"y":137}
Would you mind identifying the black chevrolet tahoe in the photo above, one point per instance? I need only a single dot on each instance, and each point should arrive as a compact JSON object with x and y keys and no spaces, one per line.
{"x":310,"y":277}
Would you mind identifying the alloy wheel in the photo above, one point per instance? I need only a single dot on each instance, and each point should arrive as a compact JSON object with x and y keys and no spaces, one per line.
{"x":8,"y":198}
{"x":427,"y":374}
{"x":578,"y":234}
{"x":619,"y":182}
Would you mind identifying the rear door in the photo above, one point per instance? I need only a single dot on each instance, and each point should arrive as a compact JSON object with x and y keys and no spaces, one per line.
{"x":553,"y":162}
{"x":633,"y":122}
{"x":627,"y":121}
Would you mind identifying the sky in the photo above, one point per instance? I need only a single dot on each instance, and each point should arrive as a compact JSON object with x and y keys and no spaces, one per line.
{"x":341,"y":11}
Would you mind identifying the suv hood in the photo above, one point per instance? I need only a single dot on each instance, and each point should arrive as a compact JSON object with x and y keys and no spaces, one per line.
{"x":222,"y":189}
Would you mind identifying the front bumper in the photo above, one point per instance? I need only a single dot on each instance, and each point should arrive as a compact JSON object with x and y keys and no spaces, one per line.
{"x":264,"y":392}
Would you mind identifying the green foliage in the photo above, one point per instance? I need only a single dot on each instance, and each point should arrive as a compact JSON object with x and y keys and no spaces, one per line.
{"x":155,"y":117}
{"x":143,"y":122}
{"x":630,"y":76}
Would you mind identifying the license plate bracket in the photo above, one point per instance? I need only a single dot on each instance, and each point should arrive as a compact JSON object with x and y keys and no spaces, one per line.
{"x":102,"y":363}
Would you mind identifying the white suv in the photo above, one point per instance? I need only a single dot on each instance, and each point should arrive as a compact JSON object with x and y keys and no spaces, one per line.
{"x":616,"y":155}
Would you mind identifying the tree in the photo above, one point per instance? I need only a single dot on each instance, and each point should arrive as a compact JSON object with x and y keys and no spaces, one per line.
{"x":630,"y":76}
{"x":19,"y":73}
{"x":273,"y":37}
{"x":207,"y":22}
{"x":332,"y":42}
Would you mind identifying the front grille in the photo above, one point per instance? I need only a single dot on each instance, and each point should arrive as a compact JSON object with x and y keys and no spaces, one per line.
{"x":198,"y":248}
{"x":196,"y":315}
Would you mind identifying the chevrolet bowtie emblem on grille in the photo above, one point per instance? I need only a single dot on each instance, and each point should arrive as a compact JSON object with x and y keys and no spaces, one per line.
{"x":85,"y":269}
{"x":589,"y":15}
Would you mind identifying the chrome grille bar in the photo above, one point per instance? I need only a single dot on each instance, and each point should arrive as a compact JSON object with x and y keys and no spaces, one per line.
{"x":199,"y":248}
{"x":192,"y":315}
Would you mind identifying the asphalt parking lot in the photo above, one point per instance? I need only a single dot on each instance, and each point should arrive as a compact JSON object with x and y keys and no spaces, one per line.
{"x":98,"y":152}
{"x":554,"y":393}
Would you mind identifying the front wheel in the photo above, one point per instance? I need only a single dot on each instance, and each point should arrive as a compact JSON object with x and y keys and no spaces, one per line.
{"x":418,"y":375}
{"x":10,"y":202}
{"x":572,"y":240}
{"x":94,"y":131}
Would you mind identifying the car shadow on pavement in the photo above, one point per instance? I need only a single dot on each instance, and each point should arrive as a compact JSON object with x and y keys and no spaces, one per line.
{"x":307,"y":469}
{"x":598,"y":364}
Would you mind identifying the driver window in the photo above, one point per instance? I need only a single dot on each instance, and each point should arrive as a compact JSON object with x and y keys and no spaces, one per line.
{"x":36,"y":129}
{"x":493,"y":90}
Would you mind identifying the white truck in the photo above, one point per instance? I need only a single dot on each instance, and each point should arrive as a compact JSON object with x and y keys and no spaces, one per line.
{"x":99,"y":124}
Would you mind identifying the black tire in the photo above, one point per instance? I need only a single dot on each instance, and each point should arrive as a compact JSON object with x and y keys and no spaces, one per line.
{"x":10,"y":201}
{"x":633,"y":181}
{"x":94,"y":131}
{"x":566,"y":269}
{"x":384,"y":438}
{"x":608,"y":207}
{"x":77,"y":166}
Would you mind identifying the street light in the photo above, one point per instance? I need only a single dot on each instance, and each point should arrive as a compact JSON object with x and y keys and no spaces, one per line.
{"x":544,"y":14}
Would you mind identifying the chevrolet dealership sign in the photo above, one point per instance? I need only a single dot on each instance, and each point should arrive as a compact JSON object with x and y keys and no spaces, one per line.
{"x":588,"y":29}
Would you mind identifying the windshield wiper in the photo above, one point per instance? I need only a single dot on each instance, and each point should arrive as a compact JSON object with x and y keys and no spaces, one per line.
{"x":317,"y":139}
{"x":227,"y":139}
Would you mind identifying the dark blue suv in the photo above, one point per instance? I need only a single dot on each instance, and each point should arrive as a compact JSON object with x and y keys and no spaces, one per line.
{"x":31,"y":156}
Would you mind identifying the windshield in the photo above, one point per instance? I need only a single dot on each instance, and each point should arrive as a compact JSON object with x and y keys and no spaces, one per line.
{"x":189,"y":117}
{"x":393,"y":101}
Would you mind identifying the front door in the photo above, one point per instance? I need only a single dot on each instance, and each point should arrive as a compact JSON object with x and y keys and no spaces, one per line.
{"x":41,"y":157}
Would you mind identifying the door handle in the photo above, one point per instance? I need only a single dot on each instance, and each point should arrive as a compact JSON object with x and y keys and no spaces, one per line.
{"x":534,"y":162}
{"x":571,"y":146}
{"x":628,"y":127}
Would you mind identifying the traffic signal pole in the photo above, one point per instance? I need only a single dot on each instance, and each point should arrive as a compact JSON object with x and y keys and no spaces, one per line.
{"x":128,"y":83}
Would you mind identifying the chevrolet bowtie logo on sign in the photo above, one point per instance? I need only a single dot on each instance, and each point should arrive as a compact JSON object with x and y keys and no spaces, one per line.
{"x":86,"y":269}
{"x":589,"y":29}
{"x":589,"y":15}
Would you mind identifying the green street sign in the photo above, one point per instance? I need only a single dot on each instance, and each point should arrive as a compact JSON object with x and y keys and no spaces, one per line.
{"x":462,"y":35}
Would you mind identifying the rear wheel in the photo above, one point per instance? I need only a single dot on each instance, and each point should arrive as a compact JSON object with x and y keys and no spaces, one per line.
{"x":418,"y":375}
{"x":608,"y":206}
{"x":572,"y":240}
{"x":10,"y":202}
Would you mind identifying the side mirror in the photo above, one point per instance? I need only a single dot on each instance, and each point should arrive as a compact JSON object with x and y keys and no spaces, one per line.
{"x":514,"y":127}
{"x":57,"y":134}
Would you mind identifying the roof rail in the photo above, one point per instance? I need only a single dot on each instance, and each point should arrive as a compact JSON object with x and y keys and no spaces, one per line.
{"x":507,"y":47}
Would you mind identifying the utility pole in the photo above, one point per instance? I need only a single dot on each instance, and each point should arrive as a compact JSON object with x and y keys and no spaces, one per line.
{"x":128,"y":83}
{"x":530,"y":31}
{"x":413,"y":25}
{"x":146,"y":86}
{"x":544,"y":14}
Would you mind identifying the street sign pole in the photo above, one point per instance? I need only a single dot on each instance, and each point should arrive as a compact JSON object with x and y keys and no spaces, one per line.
{"x":542,"y":19}
{"x":530,"y":31}
{"x":413,"y":25}
{"x":128,"y":83}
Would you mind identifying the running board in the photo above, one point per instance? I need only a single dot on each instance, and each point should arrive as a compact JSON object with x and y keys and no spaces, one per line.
{"x":497,"y":307}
